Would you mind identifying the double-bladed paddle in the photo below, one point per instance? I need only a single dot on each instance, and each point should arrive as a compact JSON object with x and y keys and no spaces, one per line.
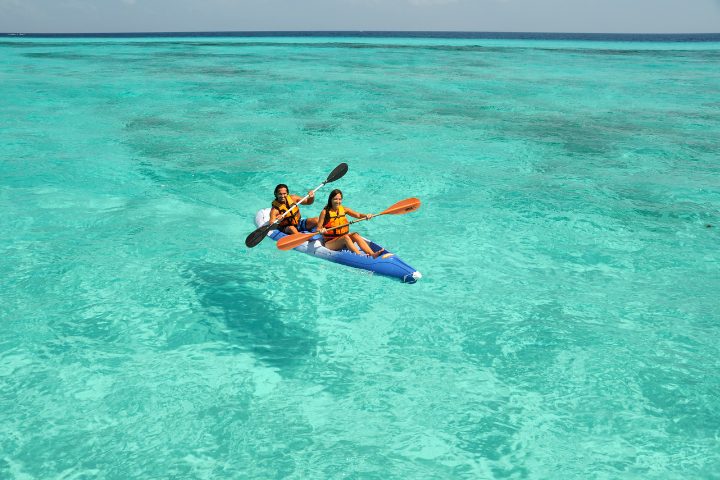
{"x":400,"y":208}
{"x":258,"y":235}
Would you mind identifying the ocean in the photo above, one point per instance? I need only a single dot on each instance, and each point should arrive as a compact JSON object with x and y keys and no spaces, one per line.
{"x":566,"y":325}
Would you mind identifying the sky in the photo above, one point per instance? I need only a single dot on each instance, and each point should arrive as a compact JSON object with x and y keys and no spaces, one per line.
{"x":584,"y":16}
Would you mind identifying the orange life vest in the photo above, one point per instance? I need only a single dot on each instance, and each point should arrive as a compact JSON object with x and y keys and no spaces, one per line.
{"x":293,"y":218}
{"x":335,"y":219}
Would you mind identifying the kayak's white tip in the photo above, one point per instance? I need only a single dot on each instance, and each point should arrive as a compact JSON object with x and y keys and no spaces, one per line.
{"x":412,"y":277}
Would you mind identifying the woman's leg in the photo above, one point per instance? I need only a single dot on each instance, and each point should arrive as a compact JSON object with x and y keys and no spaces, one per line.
{"x":340,"y":242}
{"x":290,"y":230}
{"x":355,"y":237}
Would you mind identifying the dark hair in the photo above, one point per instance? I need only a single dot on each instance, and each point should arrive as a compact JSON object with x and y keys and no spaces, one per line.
{"x":281,"y":185}
{"x":329,"y":202}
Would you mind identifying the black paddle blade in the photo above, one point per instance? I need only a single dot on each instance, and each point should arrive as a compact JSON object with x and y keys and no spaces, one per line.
{"x":339,"y":171}
{"x":257,"y":236}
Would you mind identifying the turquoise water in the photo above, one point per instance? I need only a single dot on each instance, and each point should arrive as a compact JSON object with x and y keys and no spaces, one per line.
{"x":566,"y":325}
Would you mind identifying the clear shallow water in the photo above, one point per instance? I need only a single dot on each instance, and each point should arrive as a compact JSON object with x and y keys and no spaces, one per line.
{"x":566,"y":327}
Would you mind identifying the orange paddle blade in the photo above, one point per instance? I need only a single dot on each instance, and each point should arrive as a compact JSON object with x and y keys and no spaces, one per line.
{"x":403,"y":206}
{"x":294,"y":240}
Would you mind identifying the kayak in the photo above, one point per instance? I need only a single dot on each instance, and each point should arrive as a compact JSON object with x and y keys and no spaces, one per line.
{"x":386,"y":265}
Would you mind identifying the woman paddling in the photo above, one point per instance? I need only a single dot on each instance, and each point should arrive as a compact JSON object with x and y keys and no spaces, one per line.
{"x":335,"y":215}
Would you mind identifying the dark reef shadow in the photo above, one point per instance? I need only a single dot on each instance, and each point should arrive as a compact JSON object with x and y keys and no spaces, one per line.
{"x":237,"y":312}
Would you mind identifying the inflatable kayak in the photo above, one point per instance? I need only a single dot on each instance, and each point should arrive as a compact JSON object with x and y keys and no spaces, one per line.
{"x":385,"y":265}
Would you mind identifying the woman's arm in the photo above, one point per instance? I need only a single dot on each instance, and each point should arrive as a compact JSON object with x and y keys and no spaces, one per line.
{"x":355,"y":214}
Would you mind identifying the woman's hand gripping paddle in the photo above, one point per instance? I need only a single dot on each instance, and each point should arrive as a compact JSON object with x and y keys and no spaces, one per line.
{"x":400,"y":208}
{"x":258,"y":235}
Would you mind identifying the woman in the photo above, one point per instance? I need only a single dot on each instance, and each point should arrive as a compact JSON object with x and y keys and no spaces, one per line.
{"x":335,"y":215}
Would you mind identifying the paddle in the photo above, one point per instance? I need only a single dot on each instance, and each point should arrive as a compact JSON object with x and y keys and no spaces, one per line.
{"x":400,"y":208}
{"x":258,"y":235}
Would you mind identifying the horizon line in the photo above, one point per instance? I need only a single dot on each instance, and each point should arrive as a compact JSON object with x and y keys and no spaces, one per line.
{"x":491,"y":32}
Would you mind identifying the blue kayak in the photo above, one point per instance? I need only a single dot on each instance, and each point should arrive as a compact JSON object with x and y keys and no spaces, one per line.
{"x":386,"y":265}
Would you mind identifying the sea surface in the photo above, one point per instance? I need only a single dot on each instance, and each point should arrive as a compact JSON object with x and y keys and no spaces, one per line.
{"x":566,"y":325}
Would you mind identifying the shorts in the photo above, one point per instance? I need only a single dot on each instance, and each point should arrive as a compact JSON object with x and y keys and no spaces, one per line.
{"x":301,"y":226}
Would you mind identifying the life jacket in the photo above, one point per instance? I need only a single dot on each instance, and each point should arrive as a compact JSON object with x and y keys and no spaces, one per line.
{"x":292,"y":219}
{"x":335,"y":219}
